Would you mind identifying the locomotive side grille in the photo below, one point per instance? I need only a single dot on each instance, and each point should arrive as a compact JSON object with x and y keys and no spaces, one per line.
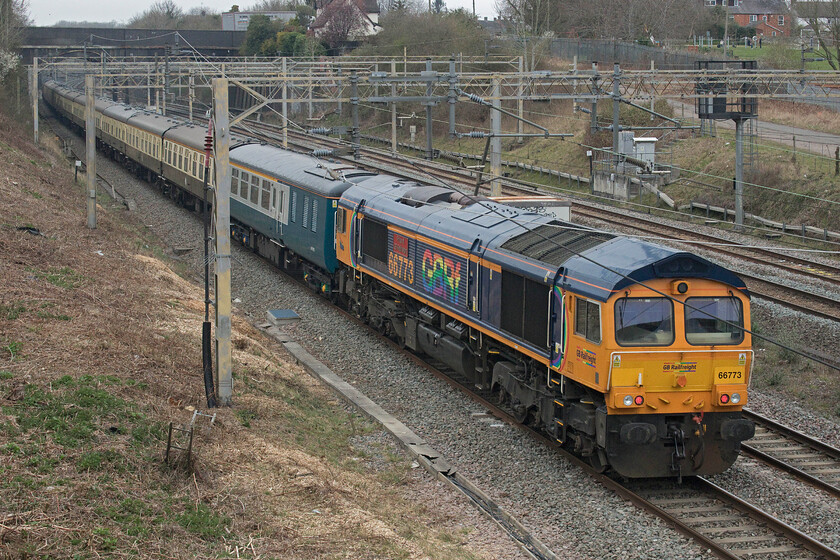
{"x":554,"y":245}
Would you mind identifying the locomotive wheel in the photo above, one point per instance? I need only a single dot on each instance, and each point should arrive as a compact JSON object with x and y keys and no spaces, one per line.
{"x":598,"y":461}
{"x":520,"y":413}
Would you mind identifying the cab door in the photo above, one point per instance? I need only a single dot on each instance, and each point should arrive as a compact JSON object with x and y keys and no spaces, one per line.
{"x":559,"y":329}
{"x":474,"y":278}
{"x":356,"y":234}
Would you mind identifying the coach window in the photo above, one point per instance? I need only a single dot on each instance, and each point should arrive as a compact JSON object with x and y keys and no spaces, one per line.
{"x":588,"y":320}
{"x":266,"y":194}
{"x":234,"y":181}
{"x":255,"y":189}
{"x":245,"y":180}
{"x":712,"y":321}
{"x":644,"y":321}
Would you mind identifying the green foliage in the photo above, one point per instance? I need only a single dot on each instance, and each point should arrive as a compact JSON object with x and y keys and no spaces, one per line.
{"x":12,"y":311}
{"x":100,"y":460}
{"x":202,"y":521}
{"x":245,"y":417}
{"x":260,"y":30}
{"x":12,"y":348}
{"x":64,"y":277}
{"x":275,"y":38}
{"x":71,"y":413}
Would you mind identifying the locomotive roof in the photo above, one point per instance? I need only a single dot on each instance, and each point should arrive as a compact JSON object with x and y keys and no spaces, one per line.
{"x":616,"y":264}
{"x":591,"y":263}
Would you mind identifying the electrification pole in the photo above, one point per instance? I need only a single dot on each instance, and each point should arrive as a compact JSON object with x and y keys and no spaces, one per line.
{"x":90,"y":150}
{"x":739,"y":174}
{"x":496,"y":140}
{"x":34,"y":86}
{"x":221,"y":212}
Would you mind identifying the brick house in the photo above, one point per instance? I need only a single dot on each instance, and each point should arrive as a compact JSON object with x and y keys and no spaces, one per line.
{"x":769,"y":18}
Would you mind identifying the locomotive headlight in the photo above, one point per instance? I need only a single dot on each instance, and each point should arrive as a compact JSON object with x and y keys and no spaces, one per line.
{"x":628,"y":400}
{"x":724,"y":398}
{"x":682,"y":287}
{"x":736,"y":398}
{"x":639,"y":400}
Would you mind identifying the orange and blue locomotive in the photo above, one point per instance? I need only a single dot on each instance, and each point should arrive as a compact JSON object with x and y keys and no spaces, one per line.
{"x":632,"y":354}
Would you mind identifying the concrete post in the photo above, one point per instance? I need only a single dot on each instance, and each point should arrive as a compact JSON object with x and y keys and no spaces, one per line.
{"x":192,"y":93}
{"x":593,"y":115}
{"x":221,"y":209}
{"x":34,"y":86}
{"x":616,"y":111}
{"x":394,"y":109}
{"x":429,"y":123}
{"x":165,"y":79}
{"x":354,"y":109}
{"x":340,"y":94}
{"x":496,"y":141}
{"x":309,"y":92}
{"x":739,"y":174}
{"x":90,"y":150}
{"x":520,"y":102}
{"x":453,"y":96}
{"x":285,"y":105}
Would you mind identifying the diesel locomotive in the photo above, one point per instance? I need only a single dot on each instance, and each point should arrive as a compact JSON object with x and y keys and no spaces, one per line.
{"x":634,"y":355}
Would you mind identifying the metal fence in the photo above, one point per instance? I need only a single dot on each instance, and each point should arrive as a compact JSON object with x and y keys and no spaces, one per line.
{"x":627,"y":54}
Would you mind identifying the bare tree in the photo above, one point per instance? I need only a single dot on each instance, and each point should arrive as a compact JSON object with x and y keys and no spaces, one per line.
{"x":823,"y":19}
{"x":530,"y":17}
{"x":339,"y":21}
{"x":163,"y":14}
{"x":13,"y":16}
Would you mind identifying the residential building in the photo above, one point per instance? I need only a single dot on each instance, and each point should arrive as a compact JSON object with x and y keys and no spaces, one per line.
{"x":238,"y":21}
{"x":769,"y":18}
{"x":368,"y":10}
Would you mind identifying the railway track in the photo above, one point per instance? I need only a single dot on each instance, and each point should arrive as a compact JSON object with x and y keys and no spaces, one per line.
{"x":798,"y":454}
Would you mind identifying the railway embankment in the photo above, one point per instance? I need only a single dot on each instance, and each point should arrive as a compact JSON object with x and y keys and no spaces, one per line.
{"x":100,"y":335}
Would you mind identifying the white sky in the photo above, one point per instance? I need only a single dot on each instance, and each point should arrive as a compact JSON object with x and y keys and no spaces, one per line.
{"x":48,"y":12}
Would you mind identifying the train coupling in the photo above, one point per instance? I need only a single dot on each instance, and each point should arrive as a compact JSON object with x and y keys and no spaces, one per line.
{"x":677,"y":457}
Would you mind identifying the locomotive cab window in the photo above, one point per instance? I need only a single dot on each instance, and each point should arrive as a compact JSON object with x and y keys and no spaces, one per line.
{"x":713,"y":321}
{"x":588,"y":320}
{"x":644,"y":322}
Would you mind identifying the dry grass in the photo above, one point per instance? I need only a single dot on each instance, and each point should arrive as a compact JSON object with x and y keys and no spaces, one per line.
{"x":100,"y":350}
{"x":800,"y":115}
